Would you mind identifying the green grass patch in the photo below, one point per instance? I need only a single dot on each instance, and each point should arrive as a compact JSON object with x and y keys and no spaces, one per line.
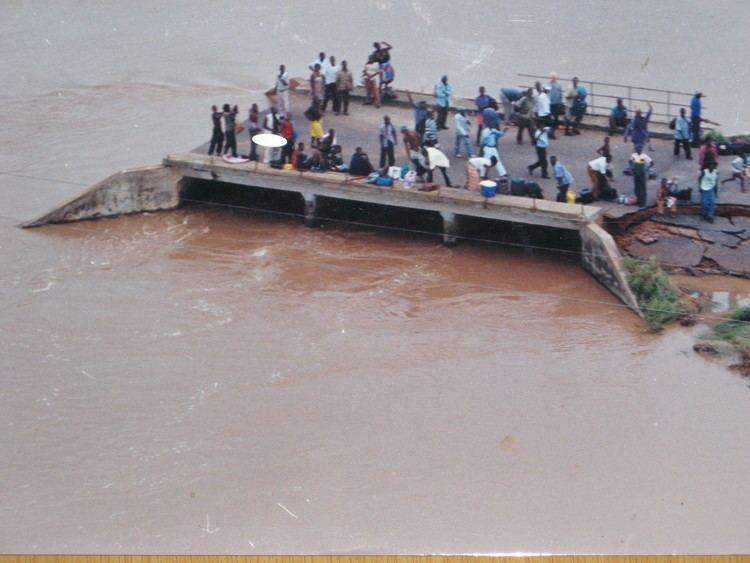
{"x":735,"y":330}
{"x":657,"y":297}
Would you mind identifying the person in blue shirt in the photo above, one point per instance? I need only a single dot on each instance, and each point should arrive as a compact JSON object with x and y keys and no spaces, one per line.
{"x":482,"y":101}
{"x":618,"y":117}
{"x":695,"y":118}
{"x":576,"y":105}
{"x":490,"y":139}
{"x":541,"y":143}
{"x":563,"y":177}
{"x":556,"y":102}
{"x":444,"y":95}
{"x":637,"y":129}
{"x":682,"y":135}
{"x":421,"y":111}
{"x":509,"y":96}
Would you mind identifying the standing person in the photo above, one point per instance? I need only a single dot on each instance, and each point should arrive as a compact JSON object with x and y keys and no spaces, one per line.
{"x":575,"y":98}
{"x":482,"y":101}
{"x":387,"y":136}
{"x":344,"y":86}
{"x":557,"y":106}
{"x":382,"y":51}
{"x":315,"y":116}
{"x":606,"y":151}
{"x":463,"y":134}
{"x":542,"y":109}
{"x":597,"y":170}
{"x":444,"y":95}
{"x":490,"y":139}
{"x":253,"y":127}
{"x":229,"y":131}
{"x":640,"y":163}
{"x":421,"y":111}
{"x":321,"y":60}
{"x":370,"y":73}
{"x":709,"y":186}
{"x":217,"y":137}
{"x":430,"y":134}
{"x":412,"y":147}
{"x":509,"y":96}
{"x":541,"y":143}
{"x":317,"y":85}
{"x":708,"y":153}
{"x":637,"y":129}
{"x":682,"y":135}
{"x":524,"y":109}
{"x":282,"y":91}
{"x":329,"y":77}
{"x":286,"y":130}
{"x":618,"y":116}
{"x":563,"y":177}
{"x":271,"y":124}
{"x":695,"y":118}
{"x":738,"y":172}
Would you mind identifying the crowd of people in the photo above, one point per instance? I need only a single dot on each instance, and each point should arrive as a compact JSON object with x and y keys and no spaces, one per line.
{"x":539,"y":113}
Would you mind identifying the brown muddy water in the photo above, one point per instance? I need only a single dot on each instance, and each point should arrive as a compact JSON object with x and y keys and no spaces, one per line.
{"x":218,"y":381}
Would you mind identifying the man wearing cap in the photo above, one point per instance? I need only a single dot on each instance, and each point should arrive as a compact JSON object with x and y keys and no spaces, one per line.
{"x":444,"y":94}
{"x":463,"y":133}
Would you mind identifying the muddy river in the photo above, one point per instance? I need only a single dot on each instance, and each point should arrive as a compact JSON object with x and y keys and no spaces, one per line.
{"x":211,"y":380}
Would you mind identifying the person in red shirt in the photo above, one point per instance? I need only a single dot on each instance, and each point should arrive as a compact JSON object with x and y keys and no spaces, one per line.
{"x":287,"y":131}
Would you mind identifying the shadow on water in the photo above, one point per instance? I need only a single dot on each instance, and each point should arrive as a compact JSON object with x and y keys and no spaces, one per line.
{"x":362,"y":215}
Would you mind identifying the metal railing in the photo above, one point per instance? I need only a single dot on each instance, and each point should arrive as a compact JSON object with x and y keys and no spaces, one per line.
{"x":666,"y":103}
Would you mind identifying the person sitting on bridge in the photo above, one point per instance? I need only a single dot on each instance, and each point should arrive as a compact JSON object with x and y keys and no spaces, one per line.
{"x":618,"y":117}
{"x":300,"y":160}
{"x":360,"y":164}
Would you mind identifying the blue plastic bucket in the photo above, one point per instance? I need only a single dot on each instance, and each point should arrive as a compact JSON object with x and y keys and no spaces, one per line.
{"x":488,"y":188}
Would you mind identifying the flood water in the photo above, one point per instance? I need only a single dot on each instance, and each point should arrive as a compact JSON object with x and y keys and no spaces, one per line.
{"x":211,"y":380}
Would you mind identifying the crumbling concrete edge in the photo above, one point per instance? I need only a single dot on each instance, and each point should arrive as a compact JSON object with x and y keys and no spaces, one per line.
{"x":147,"y":188}
{"x":602,"y":259}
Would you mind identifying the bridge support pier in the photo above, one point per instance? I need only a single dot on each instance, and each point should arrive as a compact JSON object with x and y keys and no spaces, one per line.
{"x":310,"y":210}
{"x":450,"y":228}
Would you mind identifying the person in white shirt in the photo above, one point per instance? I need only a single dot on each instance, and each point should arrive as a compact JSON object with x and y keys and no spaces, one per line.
{"x":597,"y":170}
{"x":329,"y":75}
{"x":542,"y":110}
{"x":478,"y":169}
{"x":282,"y":91}
{"x":738,"y":173}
